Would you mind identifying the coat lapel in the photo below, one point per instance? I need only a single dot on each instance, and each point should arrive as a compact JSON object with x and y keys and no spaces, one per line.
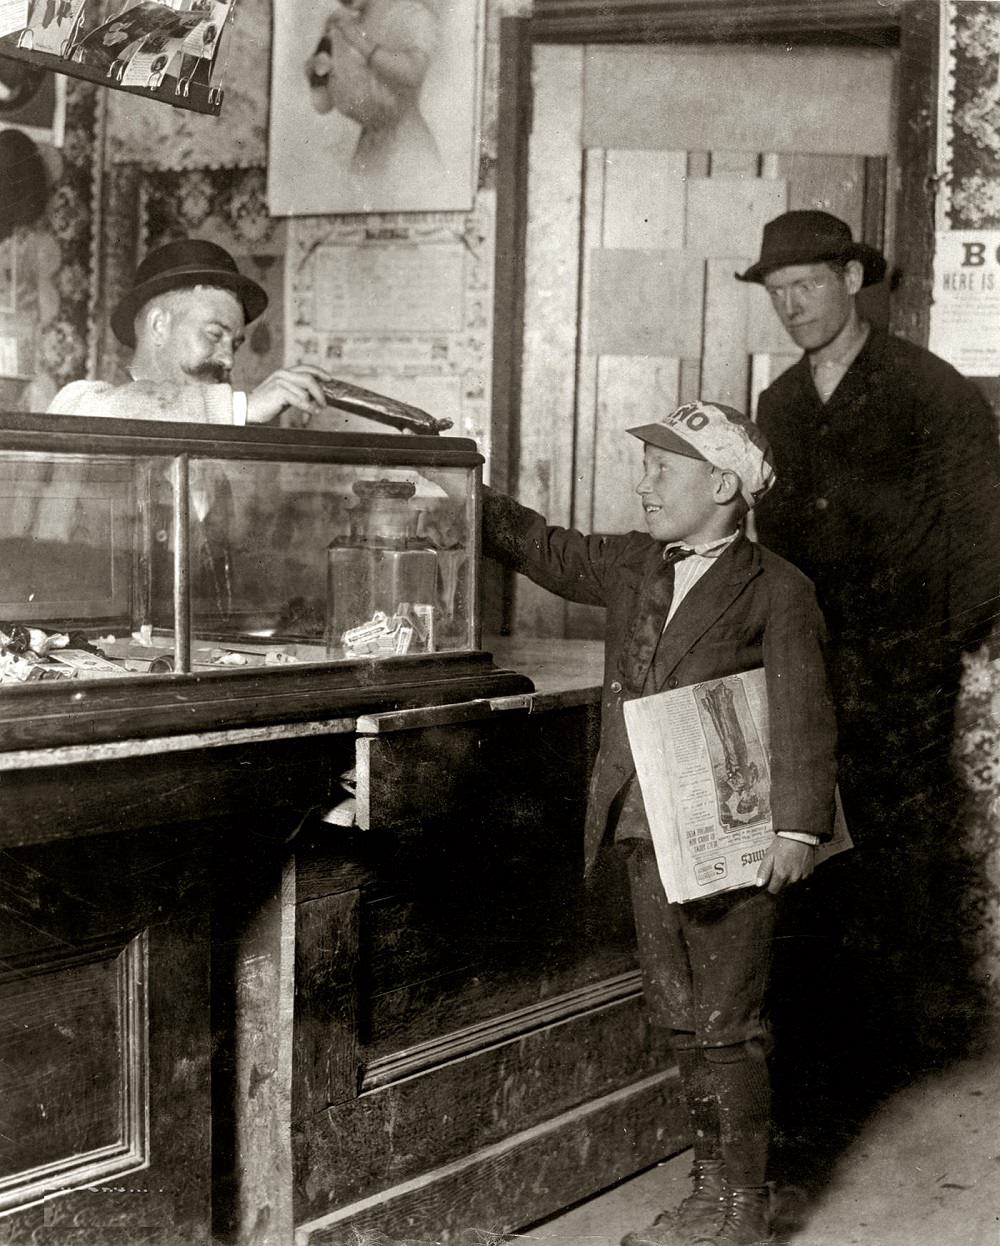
{"x":710,"y":598}
{"x":652,"y":603}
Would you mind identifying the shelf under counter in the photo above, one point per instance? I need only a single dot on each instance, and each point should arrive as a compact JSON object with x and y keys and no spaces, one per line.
{"x":452,"y":750}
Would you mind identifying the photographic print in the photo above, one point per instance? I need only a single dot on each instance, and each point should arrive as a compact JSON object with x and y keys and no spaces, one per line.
{"x":373,"y":106}
{"x":51,"y":24}
{"x":118,"y":40}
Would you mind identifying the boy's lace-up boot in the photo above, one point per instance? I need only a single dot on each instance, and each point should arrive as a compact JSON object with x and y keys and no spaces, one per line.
{"x":701,"y":1212}
{"x":747,"y":1220}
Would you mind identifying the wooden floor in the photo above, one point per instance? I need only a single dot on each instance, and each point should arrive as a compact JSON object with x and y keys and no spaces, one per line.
{"x":924,"y":1171}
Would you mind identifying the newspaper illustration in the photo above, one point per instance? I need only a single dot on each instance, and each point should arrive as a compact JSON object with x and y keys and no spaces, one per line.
{"x":702,"y":757}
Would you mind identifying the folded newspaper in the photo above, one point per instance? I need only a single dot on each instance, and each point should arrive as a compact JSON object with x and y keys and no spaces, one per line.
{"x":702,"y":755}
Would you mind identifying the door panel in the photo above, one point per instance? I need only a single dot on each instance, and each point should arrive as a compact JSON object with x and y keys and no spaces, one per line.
{"x":651,"y":175}
{"x":707,"y":98}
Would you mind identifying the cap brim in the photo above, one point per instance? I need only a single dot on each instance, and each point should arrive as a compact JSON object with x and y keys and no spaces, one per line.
{"x":665,"y":439}
{"x":251,"y":296}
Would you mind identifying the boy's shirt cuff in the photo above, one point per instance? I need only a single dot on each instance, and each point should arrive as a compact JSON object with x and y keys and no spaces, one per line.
{"x":800,"y":837}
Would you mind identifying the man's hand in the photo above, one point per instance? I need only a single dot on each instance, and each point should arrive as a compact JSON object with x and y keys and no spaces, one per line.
{"x":318,"y":65}
{"x":787,"y":861}
{"x":299,"y":386}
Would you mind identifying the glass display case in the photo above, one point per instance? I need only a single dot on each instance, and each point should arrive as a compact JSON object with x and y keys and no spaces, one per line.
{"x":133,"y":554}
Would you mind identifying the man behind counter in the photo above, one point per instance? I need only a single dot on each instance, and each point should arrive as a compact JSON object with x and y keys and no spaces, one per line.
{"x":185,"y":316}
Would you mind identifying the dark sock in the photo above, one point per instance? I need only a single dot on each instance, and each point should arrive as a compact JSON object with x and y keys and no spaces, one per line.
{"x":743,"y":1089}
{"x":697,"y":1084}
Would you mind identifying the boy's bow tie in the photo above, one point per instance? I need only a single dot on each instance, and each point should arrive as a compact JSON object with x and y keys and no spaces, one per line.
{"x":675,"y":553}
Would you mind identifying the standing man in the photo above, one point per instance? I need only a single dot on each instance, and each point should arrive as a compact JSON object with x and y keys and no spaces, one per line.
{"x":184,"y":318}
{"x":888,"y":498}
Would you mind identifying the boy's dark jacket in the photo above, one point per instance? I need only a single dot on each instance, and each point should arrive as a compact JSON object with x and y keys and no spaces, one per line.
{"x":751,"y":609}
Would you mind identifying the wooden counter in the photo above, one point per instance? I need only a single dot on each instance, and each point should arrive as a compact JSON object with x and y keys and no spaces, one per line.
{"x":228,"y":1020}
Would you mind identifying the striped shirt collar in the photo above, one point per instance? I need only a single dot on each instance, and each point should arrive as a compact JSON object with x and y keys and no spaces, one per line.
{"x":708,"y":549}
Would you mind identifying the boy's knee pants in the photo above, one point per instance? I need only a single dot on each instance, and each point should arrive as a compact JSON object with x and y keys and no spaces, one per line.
{"x":705,"y":965}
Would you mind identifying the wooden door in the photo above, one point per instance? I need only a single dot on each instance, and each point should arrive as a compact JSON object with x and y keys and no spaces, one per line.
{"x":651,"y":172}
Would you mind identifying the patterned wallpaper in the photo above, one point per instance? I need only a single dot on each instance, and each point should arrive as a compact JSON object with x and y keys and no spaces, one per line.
{"x":57,"y":261}
{"x":970,"y":199}
{"x":977,"y":754}
{"x":973,"y":144}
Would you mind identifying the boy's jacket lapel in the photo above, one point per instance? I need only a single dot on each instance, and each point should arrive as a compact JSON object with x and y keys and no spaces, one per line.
{"x":703,"y":606}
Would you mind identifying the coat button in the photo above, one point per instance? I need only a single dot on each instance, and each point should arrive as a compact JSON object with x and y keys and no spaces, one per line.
{"x":672,"y":681}
{"x":616,"y":685}
{"x":822,"y":504}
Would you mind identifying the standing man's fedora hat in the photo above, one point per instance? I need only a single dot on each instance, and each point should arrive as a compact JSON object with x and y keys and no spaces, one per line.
{"x":178,"y":265}
{"x":808,"y":238}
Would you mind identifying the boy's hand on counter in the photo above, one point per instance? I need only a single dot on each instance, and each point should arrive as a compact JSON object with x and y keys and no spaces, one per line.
{"x":299,"y":386}
{"x":787,"y":861}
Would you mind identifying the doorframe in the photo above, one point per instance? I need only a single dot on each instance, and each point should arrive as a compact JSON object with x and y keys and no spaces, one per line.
{"x":909,"y":25}
{"x":722,"y":21}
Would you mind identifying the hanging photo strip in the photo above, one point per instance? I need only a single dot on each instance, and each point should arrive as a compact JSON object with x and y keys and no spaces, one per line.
{"x":198,"y":52}
{"x":166,"y":47}
{"x":13,"y":16}
{"x":112,"y":46}
{"x":51,"y":26}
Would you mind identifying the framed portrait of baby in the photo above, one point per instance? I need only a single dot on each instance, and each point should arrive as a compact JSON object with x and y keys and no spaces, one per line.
{"x":374,"y":106}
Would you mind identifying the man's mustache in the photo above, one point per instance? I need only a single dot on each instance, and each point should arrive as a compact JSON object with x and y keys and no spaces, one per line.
{"x":213,"y":373}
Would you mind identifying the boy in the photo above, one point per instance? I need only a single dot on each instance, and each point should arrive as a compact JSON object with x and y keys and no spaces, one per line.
{"x":693,"y":599}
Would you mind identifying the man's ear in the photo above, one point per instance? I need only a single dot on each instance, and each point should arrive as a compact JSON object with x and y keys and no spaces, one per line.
{"x":725,"y":486}
{"x":156,"y":320}
{"x":854,"y":276}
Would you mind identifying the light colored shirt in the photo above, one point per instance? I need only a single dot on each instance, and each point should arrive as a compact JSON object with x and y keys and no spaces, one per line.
{"x":689,"y":570}
{"x":153,"y":400}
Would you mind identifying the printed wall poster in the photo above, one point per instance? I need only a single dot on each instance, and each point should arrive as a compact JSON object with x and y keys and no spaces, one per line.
{"x":965,"y":313}
{"x":373,"y":106}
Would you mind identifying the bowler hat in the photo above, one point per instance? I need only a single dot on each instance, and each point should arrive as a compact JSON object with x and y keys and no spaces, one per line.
{"x":807,"y":238}
{"x":180,"y":264}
